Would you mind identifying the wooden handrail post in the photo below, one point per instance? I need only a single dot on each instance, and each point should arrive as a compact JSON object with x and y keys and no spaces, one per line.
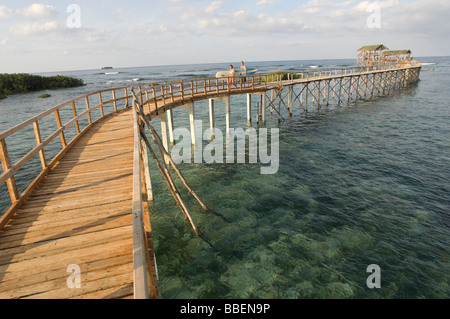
{"x":155,"y":100}
{"x":171,"y":94}
{"x":140,"y":94}
{"x":6,"y":165}
{"x":163,"y":97}
{"x":59,"y":123}
{"x":77,"y":125}
{"x":37,"y":133}
{"x":126,"y":96}
{"x":147,"y":101}
{"x":114,"y":99}
{"x":88,"y":108}
{"x":100,"y":102}
{"x":182,"y":91}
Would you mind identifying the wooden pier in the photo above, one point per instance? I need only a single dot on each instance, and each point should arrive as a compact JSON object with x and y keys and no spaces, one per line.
{"x":81,"y":229}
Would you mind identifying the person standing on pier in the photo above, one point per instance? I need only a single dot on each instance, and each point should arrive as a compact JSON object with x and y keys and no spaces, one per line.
{"x":245,"y":68}
{"x":232,"y":79}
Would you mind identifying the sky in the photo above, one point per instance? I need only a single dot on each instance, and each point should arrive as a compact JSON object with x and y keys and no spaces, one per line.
{"x":61,"y":35}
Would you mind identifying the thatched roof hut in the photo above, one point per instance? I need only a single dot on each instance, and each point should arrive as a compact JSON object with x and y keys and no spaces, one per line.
{"x":397,"y":56}
{"x":397,"y":52}
{"x":376,"y":47}
{"x":371,"y":55}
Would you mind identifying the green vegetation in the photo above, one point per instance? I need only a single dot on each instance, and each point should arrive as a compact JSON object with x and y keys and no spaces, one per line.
{"x":44,"y":96}
{"x":275,"y":76}
{"x":23,"y":83}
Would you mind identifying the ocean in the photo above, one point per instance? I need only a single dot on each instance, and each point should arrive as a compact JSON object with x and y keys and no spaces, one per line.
{"x":362,"y":184}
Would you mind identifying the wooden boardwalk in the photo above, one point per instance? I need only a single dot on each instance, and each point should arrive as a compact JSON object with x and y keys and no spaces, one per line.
{"x":86,"y":215}
{"x":79,"y":215}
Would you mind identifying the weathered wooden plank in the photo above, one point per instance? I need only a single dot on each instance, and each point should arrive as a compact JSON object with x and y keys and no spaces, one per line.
{"x":89,"y":287}
{"x":31,"y":206}
{"x":35,"y":218}
{"x":92,"y":281}
{"x":60,"y":272}
{"x":77,"y":224}
{"x":42,"y":235}
{"x":98,"y":250}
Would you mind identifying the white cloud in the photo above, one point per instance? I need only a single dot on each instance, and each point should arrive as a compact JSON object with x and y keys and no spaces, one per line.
{"x":96,"y":36}
{"x":265,"y":2}
{"x":38,"y":11}
{"x":5,"y":12}
{"x":189,"y":14}
{"x":118,"y":13}
{"x":213,"y":7}
{"x":34,"y":28}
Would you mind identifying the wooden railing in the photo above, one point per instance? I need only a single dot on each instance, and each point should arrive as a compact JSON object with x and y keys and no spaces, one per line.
{"x":70,"y":107}
{"x":156,"y":99}
{"x":144,"y":281}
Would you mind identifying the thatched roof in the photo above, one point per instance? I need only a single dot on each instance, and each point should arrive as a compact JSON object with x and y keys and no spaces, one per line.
{"x":377,"y":47}
{"x":397,"y":52}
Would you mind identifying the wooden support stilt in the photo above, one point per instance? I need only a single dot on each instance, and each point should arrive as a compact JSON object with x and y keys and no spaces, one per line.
{"x":170,"y":125}
{"x":192,"y":122}
{"x":249,"y":110}
{"x":228,"y":115}
{"x":211,"y":118}
{"x":306,"y":97}
{"x":263,"y":108}
{"x":328,"y":86}
{"x":350,"y":94}
{"x":290,"y":92}
{"x":271,"y":103}
{"x":164,"y":133}
{"x":257,"y":113}
{"x":371,"y":85}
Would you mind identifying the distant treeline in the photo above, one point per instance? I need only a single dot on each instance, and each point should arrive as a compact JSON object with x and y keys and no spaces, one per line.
{"x":22,"y":83}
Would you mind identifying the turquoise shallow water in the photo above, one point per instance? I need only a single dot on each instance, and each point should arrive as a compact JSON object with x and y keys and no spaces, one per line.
{"x":362,"y":184}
